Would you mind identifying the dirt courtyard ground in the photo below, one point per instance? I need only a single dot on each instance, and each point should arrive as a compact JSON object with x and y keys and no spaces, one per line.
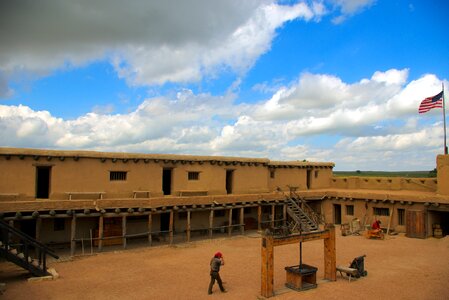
{"x":398,"y":268}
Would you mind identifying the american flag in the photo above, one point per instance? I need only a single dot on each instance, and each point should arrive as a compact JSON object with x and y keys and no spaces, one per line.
{"x":431,"y":102}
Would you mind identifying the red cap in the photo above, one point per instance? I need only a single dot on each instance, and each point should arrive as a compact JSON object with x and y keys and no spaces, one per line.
{"x":218,"y":254}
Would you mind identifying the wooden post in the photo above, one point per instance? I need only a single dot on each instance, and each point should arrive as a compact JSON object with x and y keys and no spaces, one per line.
{"x":38,"y":232}
{"x":242,"y":220}
{"x":150,"y":229}
{"x":188,"y":226}
{"x":124,"y":231}
{"x":100,"y":233}
{"x":267,"y":270}
{"x":284,"y":215}
{"x":330,"y":256}
{"x":211,"y":222}
{"x":171,"y":227}
{"x":259,"y":218}
{"x":230,"y":222}
{"x":73,"y":235}
{"x":273,"y":214}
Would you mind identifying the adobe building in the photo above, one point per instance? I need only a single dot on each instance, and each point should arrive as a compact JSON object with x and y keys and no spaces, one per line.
{"x":78,"y":198}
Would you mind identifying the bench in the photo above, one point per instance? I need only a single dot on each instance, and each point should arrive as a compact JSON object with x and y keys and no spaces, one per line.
{"x":192,"y":193}
{"x":98,"y":195}
{"x":350,"y":272}
{"x":146,"y":194}
{"x":9,"y":195}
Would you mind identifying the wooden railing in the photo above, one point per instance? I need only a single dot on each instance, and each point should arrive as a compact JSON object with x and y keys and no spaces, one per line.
{"x":17,"y":247}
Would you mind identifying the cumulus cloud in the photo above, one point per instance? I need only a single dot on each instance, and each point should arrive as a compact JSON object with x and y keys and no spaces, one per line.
{"x":160,"y":41}
{"x":360,"y":120}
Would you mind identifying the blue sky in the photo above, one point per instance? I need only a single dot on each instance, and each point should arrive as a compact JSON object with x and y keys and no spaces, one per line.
{"x":335,"y":80}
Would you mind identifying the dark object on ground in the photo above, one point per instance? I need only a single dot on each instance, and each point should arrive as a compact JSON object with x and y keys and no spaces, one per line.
{"x":359,"y":264}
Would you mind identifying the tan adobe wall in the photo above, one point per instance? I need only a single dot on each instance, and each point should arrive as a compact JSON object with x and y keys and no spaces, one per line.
{"x":443,"y":174}
{"x":250,"y":179}
{"x":284,"y":178}
{"x":92,"y":175}
{"x":16,"y":178}
{"x":321,"y":178}
{"x":73,"y":173}
{"x":385,"y":183}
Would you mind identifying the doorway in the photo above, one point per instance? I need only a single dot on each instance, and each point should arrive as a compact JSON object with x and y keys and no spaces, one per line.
{"x":43,"y":182}
{"x":166,"y":181}
{"x":229,"y":179}
{"x":337,"y":214}
{"x":28,"y":227}
{"x":309,"y":179}
{"x":165,"y":222}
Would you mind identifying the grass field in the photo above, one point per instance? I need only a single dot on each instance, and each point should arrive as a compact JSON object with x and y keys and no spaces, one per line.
{"x":409,"y":174}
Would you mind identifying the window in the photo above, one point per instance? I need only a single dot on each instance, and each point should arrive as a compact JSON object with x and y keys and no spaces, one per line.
{"x":58,"y":224}
{"x":272,"y":174}
{"x":350,"y":210}
{"x":401,"y":216}
{"x":247,"y":210}
{"x":316,"y":174}
{"x":193,"y":175}
{"x":381,"y":211}
{"x":117,"y":176}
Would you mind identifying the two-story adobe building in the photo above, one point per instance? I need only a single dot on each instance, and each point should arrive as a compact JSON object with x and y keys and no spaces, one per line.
{"x":73,"y":197}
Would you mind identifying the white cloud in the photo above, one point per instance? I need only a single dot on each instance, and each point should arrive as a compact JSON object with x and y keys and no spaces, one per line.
{"x":160,"y":41}
{"x":348,"y":8}
{"x":370,"y":122}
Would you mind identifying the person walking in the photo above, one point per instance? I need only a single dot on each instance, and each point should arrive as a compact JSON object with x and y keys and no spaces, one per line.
{"x":215,"y":263}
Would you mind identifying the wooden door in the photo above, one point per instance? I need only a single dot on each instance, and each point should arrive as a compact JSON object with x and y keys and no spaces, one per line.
{"x":416,"y":224}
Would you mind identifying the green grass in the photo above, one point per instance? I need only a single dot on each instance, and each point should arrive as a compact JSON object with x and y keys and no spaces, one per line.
{"x":409,"y":174}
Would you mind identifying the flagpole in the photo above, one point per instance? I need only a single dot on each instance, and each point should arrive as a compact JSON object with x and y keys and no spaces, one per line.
{"x":444,"y":119}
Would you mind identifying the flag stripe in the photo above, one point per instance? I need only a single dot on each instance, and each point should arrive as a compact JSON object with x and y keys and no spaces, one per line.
{"x":431,"y":102}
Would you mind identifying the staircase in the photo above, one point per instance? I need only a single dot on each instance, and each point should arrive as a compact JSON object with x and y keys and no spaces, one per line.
{"x":17,"y":247}
{"x":304,"y":218}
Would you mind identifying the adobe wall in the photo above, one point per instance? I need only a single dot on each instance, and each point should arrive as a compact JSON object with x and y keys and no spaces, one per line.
{"x":386,"y":183}
{"x":443,"y":174}
{"x":17,"y":178}
{"x":76,"y":172}
{"x":250,"y":179}
{"x":321,"y":178}
{"x":283,"y":178}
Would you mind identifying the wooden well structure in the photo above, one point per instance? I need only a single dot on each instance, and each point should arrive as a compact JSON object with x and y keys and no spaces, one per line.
{"x":270,"y":241}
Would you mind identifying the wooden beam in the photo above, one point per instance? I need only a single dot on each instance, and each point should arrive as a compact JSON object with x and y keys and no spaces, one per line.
{"x":259,"y":218}
{"x":100,"y":232}
{"x":273,"y":214}
{"x":124,"y":231}
{"x":171,"y":227}
{"x":284,"y":215}
{"x":230,"y":222}
{"x":242,"y":215}
{"x":330,"y":256}
{"x":305,"y":237}
{"x":73,"y":235}
{"x":150,"y":229}
{"x":267,"y":270}
{"x":188,"y":226}
{"x":211,"y":222}
{"x":38,"y":232}
{"x":38,"y":229}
